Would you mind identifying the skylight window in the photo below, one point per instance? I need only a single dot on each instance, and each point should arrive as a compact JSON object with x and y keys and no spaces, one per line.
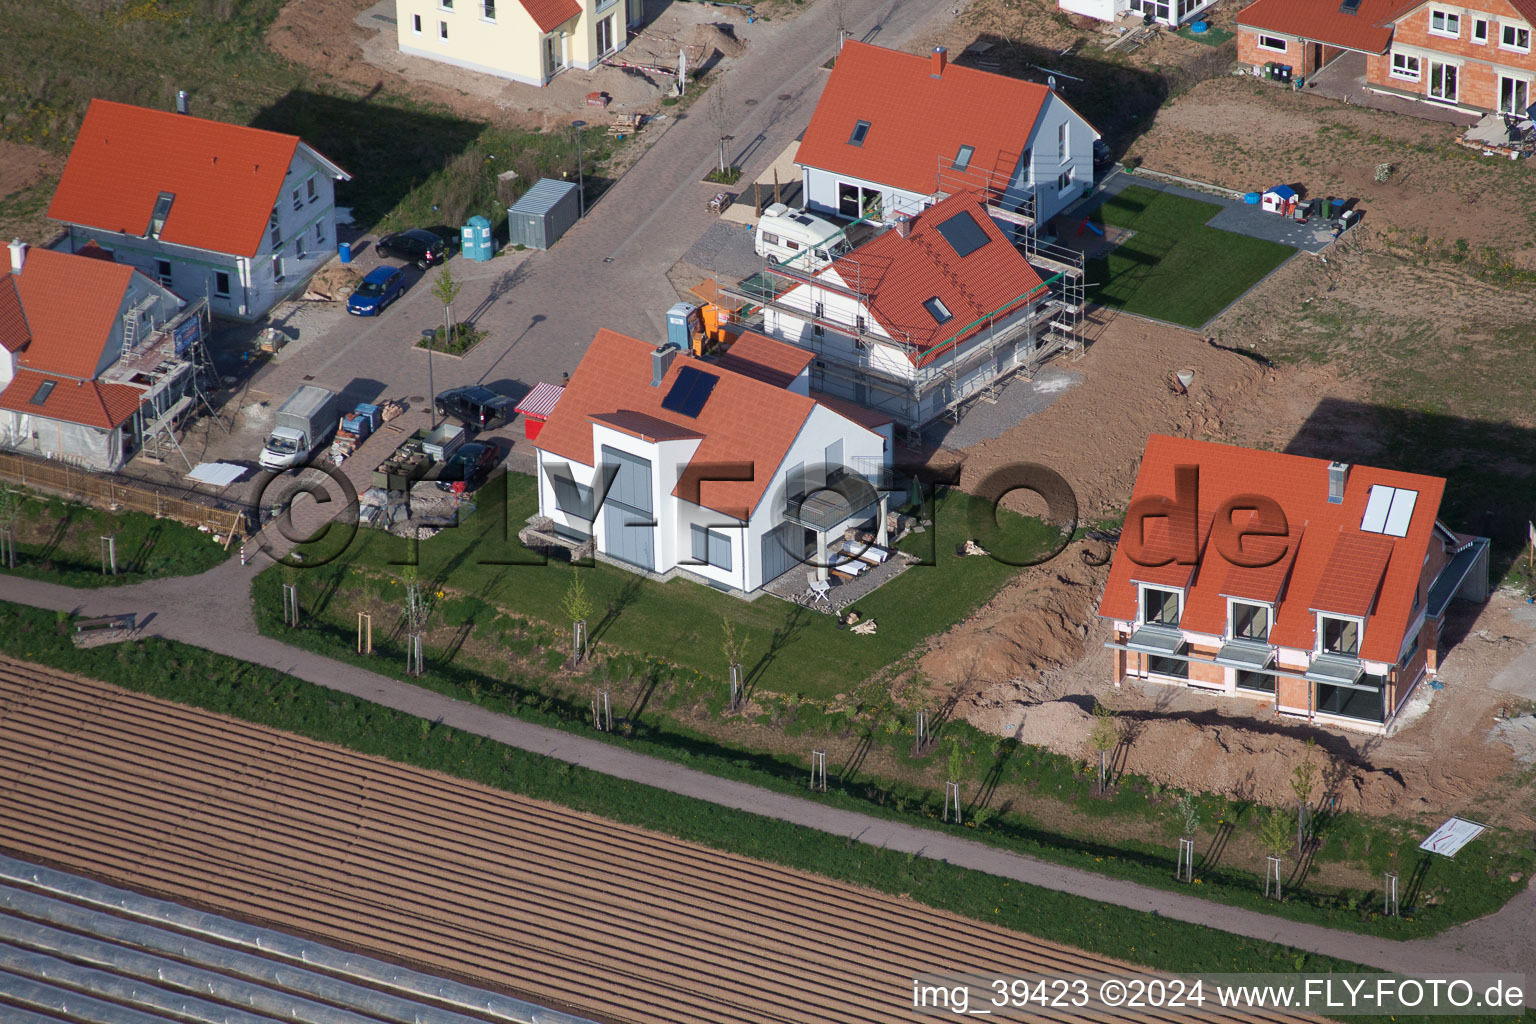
{"x":963,"y":234}
{"x":1389,"y":510}
{"x":963,"y":158}
{"x":859,"y":131}
{"x":936,"y":309}
{"x":162,"y":211}
{"x":43,"y":391}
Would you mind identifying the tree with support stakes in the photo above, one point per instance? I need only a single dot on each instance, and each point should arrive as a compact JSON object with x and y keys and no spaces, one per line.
{"x":1303,"y":782}
{"x":956,"y":767}
{"x":415,"y":621}
{"x":10,"y":510}
{"x":290,"y":595}
{"x":1105,"y":737}
{"x":577,"y":605}
{"x":720,"y":116}
{"x":735,"y":650}
{"x":1189,"y":821}
{"x":1275,"y":837}
{"x":445,"y":289}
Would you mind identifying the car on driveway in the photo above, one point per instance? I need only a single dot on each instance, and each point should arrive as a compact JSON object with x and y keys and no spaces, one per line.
{"x":419,"y":246}
{"x":382,"y":286}
{"x":478,"y":408}
{"x":468,"y":467}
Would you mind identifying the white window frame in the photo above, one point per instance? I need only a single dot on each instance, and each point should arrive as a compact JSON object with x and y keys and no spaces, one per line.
{"x":1232,"y":619}
{"x":1446,"y":18}
{"x":228,"y":284}
{"x":1530,"y":92}
{"x":1268,"y":43}
{"x":445,"y":5}
{"x":1511,"y":27}
{"x":1406,"y":75}
{"x":1063,"y":142}
{"x":164,"y":277}
{"x":1141,"y":603}
{"x":298,"y":199}
{"x":1359,"y":621}
{"x":1480,"y":31}
{"x":442,"y":31}
{"x":1430,"y":80}
{"x":488,"y":11}
{"x":310,"y":190}
{"x":1064,"y":182}
{"x":320,"y":232}
{"x":416,"y":24}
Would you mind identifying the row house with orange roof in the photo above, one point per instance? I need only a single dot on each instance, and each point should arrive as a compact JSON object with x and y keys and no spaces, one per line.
{"x":925,"y":316}
{"x":92,"y":356}
{"x":729,"y":469}
{"x":1316,"y":587}
{"x":895,"y":132}
{"x":1473,"y":57}
{"x":241,"y":216}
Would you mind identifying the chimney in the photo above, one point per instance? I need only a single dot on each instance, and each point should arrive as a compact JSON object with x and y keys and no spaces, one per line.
{"x":181,"y":101}
{"x":18,"y":255}
{"x":939,"y":54}
{"x":1338,"y":475}
{"x":903,"y":225}
{"x":661,"y":360}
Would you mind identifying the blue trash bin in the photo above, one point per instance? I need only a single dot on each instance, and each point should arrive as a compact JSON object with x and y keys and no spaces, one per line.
{"x":344,"y":249}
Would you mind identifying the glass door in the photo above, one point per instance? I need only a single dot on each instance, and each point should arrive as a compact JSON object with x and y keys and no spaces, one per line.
{"x":1514,"y":95}
{"x":1442,"y":81}
{"x":605,"y":35}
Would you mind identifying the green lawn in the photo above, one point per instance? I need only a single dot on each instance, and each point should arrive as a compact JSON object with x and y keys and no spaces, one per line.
{"x":1174,"y":268}
{"x":60,"y":541}
{"x":791,"y":650}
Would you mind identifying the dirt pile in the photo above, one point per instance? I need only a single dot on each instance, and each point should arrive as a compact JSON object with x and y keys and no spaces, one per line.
{"x":718,"y":38}
{"x":331,"y":283}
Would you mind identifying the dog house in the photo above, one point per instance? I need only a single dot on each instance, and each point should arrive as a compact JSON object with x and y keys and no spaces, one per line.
{"x":1281,"y":199}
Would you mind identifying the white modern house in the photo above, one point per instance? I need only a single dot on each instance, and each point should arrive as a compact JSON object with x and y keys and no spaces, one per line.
{"x":1165,"y":12}
{"x":528,"y":41}
{"x":728,"y":469}
{"x":239,"y":215}
{"x":895,"y":132}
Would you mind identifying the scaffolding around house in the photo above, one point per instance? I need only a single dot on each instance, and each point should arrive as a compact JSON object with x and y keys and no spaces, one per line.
{"x":1004,"y":198}
{"x":171,"y":365}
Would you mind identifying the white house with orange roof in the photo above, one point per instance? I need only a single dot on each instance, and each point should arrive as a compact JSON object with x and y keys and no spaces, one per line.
{"x":1317,"y":588}
{"x":528,"y":41}
{"x":895,"y":132}
{"x":729,"y":470}
{"x":925,"y":316}
{"x":91,"y":361}
{"x":239,"y":215}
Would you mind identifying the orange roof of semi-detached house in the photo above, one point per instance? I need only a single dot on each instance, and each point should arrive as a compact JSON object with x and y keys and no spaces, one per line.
{"x":225,"y":178}
{"x":551,"y":14}
{"x":71,"y":304}
{"x":899,"y":275}
{"x":917,"y":120}
{"x":743,"y":420}
{"x":1329,"y":564}
{"x":772,"y":362}
{"x":91,"y":402}
{"x":1369,"y":29}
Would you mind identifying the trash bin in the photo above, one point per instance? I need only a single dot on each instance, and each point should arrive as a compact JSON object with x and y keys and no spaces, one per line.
{"x":344,"y":250}
{"x":1329,"y":206}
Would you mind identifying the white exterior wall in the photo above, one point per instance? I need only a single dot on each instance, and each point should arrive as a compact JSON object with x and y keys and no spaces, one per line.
{"x":1104,"y":10}
{"x":1046,"y":165}
{"x":509,"y":44}
{"x":7,"y":366}
{"x":820,"y":190}
{"x":253,"y":290}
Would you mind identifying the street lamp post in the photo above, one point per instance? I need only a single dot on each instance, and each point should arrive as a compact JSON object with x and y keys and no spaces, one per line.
{"x":430,"y":335}
{"x":581,"y":179}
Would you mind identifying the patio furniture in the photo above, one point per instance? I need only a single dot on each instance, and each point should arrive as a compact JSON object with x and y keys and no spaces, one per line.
{"x":868,"y":552}
{"x":845,"y":564}
{"x":819,"y":589}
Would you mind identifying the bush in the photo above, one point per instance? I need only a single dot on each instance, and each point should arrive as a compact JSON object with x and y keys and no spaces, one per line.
{"x":465,"y":337}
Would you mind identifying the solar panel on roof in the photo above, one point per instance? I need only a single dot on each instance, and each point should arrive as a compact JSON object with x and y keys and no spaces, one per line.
{"x":1389,"y":510}
{"x":689,"y":392}
{"x":963,"y":234}
{"x":1402,"y":512}
{"x":1376,"y":509}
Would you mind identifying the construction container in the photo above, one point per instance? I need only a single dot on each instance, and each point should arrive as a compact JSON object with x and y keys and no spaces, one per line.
{"x":475,"y":241}
{"x":683,"y":321}
{"x":547,"y":210}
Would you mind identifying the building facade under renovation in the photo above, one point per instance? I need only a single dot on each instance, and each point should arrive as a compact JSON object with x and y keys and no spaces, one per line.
{"x":97,"y":361}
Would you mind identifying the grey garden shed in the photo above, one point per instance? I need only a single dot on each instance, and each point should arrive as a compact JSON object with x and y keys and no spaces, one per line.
{"x":544,"y":213}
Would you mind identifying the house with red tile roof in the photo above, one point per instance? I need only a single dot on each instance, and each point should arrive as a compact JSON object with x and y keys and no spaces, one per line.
{"x":1165,"y":12}
{"x":1316,"y":588}
{"x":239,"y":215}
{"x":1475,"y":58}
{"x":895,"y":132}
{"x":729,"y":470}
{"x":528,"y":41}
{"x":88,"y":367}
{"x":921,"y":318}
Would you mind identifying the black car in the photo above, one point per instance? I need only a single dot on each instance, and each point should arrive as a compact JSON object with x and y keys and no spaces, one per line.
{"x":416,"y":245}
{"x":476,"y":407}
{"x":1103,"y":156}
{"x":470,"y":464}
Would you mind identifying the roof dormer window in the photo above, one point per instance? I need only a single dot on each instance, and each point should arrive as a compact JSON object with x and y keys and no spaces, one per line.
{"x":859,"y":131}
{"x":936,"y":309}
{"x":162,"y":211}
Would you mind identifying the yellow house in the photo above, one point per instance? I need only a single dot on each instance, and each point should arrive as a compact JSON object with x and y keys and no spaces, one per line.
{"x":525,"y":40}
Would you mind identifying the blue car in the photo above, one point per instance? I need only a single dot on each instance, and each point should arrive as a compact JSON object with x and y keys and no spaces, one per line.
{"x":381,"y":287}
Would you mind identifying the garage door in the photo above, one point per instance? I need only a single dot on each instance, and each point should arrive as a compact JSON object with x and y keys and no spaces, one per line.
{"x":780,"y":546}
{"x":628,"y":534}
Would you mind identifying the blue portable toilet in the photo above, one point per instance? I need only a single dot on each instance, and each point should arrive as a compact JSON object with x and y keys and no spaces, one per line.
{"x":476,"y":241}
{"x":682,"y":320}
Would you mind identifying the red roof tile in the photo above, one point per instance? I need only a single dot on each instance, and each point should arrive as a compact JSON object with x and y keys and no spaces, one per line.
{"x":898,"y":275}
{"x":225,"y":177}
{"x":72,"y":304}
{"x":917,"y":121}
{"x":551,"y":14}
{"x":1330,"y":558}
{"x":770,"y":361}
{"x":863,"y":415}
{"x":1369,"y":29}
{"x":744,"y":420}
{"x":645,"y":427}
{"x":88,"y":402}
{"x":14,"y":333}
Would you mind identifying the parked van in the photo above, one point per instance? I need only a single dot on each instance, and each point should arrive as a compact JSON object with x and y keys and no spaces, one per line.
{"x":783,"y":234}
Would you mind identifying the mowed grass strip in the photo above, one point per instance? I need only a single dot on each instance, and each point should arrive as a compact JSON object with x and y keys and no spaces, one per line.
{"x":1174,"y":268}
{"x":793,"y":650}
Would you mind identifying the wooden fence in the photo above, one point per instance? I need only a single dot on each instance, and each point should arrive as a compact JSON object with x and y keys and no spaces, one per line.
{"x":114,"y":494}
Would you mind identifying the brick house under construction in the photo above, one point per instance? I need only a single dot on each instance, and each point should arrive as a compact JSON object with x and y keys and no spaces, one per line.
{"x":1317,"y":588}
